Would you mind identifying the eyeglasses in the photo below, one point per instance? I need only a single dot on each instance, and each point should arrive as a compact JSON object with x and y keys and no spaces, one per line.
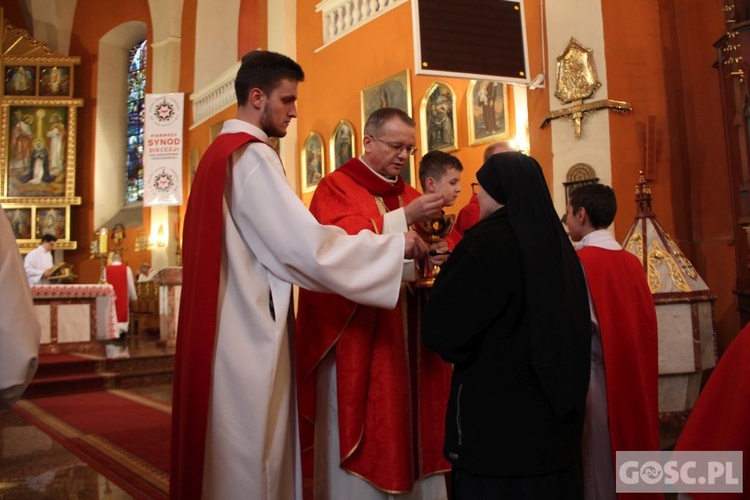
{"x":410,"y":150}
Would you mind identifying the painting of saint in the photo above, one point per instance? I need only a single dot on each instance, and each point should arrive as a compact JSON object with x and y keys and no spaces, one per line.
{"x":37,"y":146}
{"x":20,"y":222}
{"x":439,"y":118}
{"x":55,"y":81}
{"x":50,"y":221}
{"x":313,"y":162}
{"x":20,"y":80}
{"x":488,"y":119}
{"x":342,"y":144}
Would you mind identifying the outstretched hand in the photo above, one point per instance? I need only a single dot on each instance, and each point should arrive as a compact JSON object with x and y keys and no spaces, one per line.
{"x":415,"y":247}
{"x":426,"y":207}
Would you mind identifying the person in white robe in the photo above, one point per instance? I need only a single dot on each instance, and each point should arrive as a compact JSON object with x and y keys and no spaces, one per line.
{"x":38,"y":263}
{"x":20,"y":331}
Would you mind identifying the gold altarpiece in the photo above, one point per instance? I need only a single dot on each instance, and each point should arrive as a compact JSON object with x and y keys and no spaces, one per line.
{"x":37,"y":138}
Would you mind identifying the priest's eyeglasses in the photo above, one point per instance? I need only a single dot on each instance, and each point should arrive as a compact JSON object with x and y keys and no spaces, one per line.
{"x":410,"y":150}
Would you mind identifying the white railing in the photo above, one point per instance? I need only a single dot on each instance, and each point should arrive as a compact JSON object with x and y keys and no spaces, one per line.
{"x":214,"y":97}
{"x":344,"y":16}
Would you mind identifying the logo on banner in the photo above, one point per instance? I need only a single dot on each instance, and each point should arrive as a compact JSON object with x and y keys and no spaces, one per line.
{"x":164,"y":111}
{"x":163,"y":180}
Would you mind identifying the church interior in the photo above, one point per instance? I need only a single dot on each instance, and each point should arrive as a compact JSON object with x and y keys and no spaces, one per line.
{"x":648,"y":97}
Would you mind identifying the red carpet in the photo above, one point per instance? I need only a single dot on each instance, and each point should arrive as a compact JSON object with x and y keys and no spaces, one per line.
{"x":123,"y":435}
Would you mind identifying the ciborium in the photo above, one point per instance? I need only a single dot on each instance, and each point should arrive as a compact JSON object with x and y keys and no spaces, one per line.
{"x":432,"y":231}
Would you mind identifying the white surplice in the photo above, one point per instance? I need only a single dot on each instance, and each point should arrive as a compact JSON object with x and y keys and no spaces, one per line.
{"x":19,"y":327}
{"x":36,"y":262}
{"x":271,"y":240}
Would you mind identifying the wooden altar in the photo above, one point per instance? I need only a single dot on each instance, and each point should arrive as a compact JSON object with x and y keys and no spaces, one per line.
{"x":75,"y":317}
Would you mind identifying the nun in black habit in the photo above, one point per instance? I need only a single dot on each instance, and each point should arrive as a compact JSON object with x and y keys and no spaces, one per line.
{"x":510,"y":310}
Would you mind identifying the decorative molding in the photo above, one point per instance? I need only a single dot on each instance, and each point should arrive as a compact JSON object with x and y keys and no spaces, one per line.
{"x":214,"y":97}
{"x":341,"y":17}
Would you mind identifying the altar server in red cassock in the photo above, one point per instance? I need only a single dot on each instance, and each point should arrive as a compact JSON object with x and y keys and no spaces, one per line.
{"x":247,"y":239}
{"x":375,"y":395}
{"x":120,"y":277}
{"x":623,"y":401}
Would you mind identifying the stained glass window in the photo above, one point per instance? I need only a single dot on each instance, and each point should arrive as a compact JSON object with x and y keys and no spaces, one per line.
{"x":136,"y":97}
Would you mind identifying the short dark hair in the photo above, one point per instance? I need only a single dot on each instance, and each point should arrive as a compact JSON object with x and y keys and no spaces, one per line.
{"x":264,"y":70}
{"x":435,"y":164}
{"x":380,"y":116}
{"x":599,"y":201}
{"x":46,"y":238}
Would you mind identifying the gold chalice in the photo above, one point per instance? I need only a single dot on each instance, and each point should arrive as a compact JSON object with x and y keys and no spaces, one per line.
{"x":431,"y":231}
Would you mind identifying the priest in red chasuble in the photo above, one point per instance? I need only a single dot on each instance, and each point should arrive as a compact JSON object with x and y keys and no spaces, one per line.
{"x":120,"y":277}
{"x":623,"y":401}
{"x":374,"y":395}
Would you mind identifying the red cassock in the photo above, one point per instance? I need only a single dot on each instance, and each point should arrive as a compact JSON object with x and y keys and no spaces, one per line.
{"x":720,"y":417}
{"x":467,"y":216}
{"x":629,"y":337}
{"x":392,"y":391}
{"x":118,"y":279}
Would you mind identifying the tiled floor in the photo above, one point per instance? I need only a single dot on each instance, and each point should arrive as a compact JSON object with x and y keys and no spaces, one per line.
{"x":35,"y":466}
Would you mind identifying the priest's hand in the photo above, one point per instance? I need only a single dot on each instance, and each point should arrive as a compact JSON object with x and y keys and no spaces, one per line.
{"x":426,"y":207}
{"x":48,"y":272}
{"x":414,"y":247}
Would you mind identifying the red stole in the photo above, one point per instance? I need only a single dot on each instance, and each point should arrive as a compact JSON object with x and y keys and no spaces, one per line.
{"x":196,"y":338}
{"x":627,"y":324}
{"x":392,"y":398}
{"x":119,"y":281}
{"x":362,"y":175}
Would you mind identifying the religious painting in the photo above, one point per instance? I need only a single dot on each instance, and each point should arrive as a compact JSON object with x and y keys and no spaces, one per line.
{"x":438,"y":115}
{"x":20,"y":221}
{"x":54,"y":81}
{"x":487,"y":104}
{"x":51,"y":220}
{"x":312,"y":162}
{"x":342,"y":144}
{"x":20,"y":80}
{"x":393,"y":92}
{"x":37,"y":155}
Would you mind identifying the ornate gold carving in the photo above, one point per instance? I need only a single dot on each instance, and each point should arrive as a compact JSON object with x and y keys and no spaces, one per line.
{"x":580,"y":172}
{"x":576,"y":73}
{"x":635,"y":245}
{"x":654,"y":279}
{"x":685,"y":264}
{"x":577,"y":80}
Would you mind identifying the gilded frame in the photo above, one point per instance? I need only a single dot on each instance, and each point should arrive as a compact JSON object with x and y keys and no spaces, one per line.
{"x":395,"y":92}
{"x":482,"y":99}
{"x":29,"y":222}
{"x":312,"y":162}
{"x":15,"y":165}
{"x":342,"y":145}
{"x":438,"y":118}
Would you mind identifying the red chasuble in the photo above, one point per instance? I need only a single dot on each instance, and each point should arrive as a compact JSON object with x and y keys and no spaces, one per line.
{"x":392,"y":391}
{"x":720,"y":417}
{"x":196,"y":338}
{"x":118,"y":279}
{"x":627,"y":323}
